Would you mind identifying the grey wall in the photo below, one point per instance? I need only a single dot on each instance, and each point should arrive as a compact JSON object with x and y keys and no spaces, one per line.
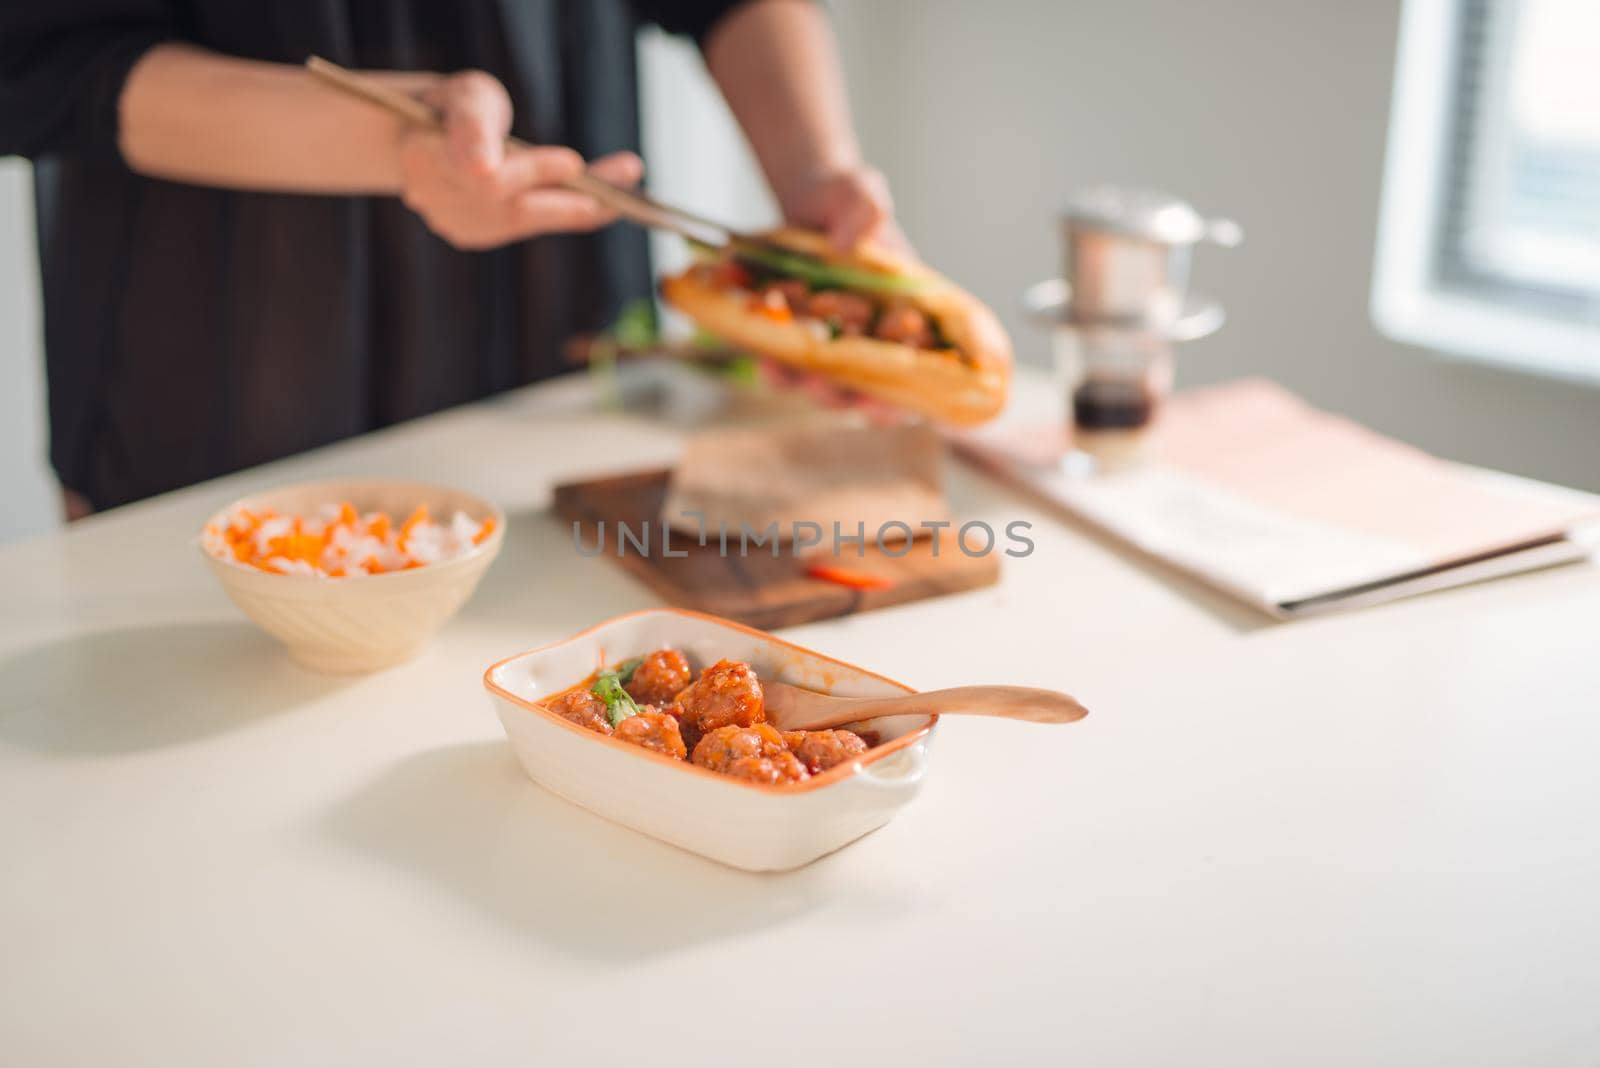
{"x":985,"y":115}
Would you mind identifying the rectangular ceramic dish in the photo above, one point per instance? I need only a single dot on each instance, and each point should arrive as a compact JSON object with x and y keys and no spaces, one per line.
{"x":746,"y":825}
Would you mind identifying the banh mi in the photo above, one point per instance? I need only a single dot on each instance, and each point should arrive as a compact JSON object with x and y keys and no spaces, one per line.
{"x":869,"y":319}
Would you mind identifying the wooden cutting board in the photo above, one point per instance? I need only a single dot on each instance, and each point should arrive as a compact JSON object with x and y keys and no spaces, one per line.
{"x":757,"y":589}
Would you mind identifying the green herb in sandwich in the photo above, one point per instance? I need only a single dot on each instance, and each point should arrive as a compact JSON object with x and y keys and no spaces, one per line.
{"x":816,"y":273}
{"x":820,"y":274}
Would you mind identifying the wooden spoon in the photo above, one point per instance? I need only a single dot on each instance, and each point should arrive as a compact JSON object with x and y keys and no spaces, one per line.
{"x":790,"y":708}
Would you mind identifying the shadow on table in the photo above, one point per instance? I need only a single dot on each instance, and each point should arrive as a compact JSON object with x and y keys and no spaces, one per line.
{"x":137,"y":688}
{"x":465,"y":818}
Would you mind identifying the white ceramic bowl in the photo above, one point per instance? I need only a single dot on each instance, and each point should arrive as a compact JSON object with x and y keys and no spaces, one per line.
{"x":743,"y":824}
{"x":363,"y":622}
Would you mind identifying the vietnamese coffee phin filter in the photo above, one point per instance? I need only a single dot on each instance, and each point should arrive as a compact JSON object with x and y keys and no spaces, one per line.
{"x":1123,"y":304}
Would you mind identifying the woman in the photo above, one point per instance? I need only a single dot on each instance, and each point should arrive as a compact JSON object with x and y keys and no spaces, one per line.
{"x":238,"y":264}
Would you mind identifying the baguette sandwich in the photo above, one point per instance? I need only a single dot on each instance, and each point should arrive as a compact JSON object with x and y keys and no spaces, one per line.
{"x":870,"y":319}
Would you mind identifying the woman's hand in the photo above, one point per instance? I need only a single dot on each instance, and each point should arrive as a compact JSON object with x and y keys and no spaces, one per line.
{"x":849,"y":204}
{"x":476,"y":192}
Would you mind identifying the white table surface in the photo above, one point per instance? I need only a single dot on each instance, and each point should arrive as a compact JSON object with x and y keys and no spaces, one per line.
{"x":1365,"y":839}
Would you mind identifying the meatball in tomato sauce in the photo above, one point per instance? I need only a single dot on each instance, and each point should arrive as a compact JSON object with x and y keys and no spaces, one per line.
{"x":756,"y":753}
{"x":726,"y":694}
{"x":850,"y":314}
{"x":656,"y":731}
{"x":821,"y":750}
{"x":582,"y":708}
{"x":659,"y":678}
{"x":723,"y":746}
{"x":903,"y":322}
{"x":774,"y":770}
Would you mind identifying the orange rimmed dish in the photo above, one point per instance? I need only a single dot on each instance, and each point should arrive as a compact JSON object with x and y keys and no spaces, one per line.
{"x":755,"y":826}
{"x":358,"y":622}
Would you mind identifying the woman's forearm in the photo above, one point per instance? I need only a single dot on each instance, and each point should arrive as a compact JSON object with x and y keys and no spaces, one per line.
{"x":777,"y":64}
{"x":195,"y":116}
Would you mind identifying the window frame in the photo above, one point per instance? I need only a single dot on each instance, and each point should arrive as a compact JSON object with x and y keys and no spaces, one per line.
{"x":1410,"y":301}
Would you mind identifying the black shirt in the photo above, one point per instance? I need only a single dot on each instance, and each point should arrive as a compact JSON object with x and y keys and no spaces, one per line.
{"x":193,"y":331}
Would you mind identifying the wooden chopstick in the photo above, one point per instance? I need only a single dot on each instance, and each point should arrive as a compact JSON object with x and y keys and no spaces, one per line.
{"x":635,"y":207}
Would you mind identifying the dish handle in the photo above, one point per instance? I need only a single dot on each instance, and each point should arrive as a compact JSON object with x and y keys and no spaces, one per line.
{"x":913,"y":765}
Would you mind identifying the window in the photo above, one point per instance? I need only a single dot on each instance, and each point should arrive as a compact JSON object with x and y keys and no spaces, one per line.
{"x":1489,"y":240}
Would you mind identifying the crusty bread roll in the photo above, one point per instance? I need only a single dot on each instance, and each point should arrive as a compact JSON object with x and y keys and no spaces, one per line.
{"x":965,"y":386}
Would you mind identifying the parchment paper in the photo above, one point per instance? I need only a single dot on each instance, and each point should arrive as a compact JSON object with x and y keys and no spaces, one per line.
{"x":824,"y":470}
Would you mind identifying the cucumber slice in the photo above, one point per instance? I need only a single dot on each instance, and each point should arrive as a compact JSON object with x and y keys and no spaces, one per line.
{"x":820,"y":275}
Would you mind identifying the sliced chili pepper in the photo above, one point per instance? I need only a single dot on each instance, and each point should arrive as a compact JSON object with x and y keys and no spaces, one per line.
{"x":844,"y":576}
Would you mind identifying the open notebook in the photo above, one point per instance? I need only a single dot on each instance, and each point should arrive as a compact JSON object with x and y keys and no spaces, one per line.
{"x":1295,"y":510}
